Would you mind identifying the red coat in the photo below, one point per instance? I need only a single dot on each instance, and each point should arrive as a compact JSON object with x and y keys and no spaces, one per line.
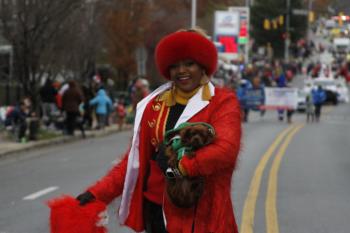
{"x":215,"y":162}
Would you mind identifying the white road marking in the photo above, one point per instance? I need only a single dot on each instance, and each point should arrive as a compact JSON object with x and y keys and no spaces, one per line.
{"x":40,"y":193}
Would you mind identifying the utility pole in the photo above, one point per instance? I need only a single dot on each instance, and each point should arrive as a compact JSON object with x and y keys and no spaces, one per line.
{"x":193,"y":13}
{"x":308,"y":21}
{"x":246,"y":47}
{"x":287,"y":39}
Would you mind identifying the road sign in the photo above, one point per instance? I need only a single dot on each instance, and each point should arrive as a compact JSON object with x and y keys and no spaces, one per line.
{"x":300,"y":12}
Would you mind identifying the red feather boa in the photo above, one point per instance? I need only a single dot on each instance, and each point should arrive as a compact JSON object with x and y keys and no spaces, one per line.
{"x":67,"y":216}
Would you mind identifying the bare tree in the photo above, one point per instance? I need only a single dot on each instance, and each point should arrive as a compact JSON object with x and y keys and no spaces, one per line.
{"x":126,"y":23}
{"x":31,"y":26}
{"x":321,"y":6}
{"x":79,"y":44}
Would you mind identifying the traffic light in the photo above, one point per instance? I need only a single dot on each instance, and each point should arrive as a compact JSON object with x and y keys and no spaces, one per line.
{"x":274,"y":24}
{"x":311,"y":16}
{"x":281,"y":20}
{"x":267,"y":24}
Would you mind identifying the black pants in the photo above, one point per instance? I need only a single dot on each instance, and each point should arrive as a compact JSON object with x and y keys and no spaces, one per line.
{"x":318,"y":108}
{"x":153,"y":217}
{"x":72,"y":123}
{"x":22,"y":128}
{"x":33,"y":129}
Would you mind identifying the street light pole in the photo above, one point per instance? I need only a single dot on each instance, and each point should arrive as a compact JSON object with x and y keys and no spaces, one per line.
{"x":308,"y":21}
{"x":193,"y":13}
{"x":246,"y":52}
{"x":287,"y":39}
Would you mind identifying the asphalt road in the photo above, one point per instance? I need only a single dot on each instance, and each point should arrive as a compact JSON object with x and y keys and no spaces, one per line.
{"x":304,"y":184}
{"x":291,"y":183}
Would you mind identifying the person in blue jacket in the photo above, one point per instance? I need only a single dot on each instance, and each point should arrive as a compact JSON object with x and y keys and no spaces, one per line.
{"x":281,"y":81}
{"x":318,"y":97}
{"x":103,"y":105}
{"x":241,"y":95}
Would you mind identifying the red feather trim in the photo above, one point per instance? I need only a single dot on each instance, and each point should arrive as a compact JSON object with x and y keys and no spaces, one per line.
{"x":67,"y":216}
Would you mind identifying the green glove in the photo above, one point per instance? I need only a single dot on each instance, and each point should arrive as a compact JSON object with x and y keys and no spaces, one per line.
{"x":183,"y":151}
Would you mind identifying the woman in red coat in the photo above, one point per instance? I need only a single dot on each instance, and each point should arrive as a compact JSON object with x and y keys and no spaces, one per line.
{"x":188,"y":59}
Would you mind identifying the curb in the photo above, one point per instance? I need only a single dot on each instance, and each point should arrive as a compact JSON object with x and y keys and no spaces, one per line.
{"x":57,"y":141}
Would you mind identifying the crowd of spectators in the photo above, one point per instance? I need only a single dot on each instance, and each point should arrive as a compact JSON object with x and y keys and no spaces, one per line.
{"x":68,"y":106}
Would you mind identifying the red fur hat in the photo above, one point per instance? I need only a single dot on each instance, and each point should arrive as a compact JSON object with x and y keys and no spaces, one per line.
{"x":185,"y":45}
{"x":67,"y":216}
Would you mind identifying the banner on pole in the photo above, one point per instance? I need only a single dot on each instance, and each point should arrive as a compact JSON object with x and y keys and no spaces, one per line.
{"x":281,"y":98}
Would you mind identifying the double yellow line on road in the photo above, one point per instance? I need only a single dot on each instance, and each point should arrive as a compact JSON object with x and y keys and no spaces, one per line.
{"x":248,"y":215}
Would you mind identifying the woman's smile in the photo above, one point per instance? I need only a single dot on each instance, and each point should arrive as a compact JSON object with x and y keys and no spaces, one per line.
{"x":183,"y":78}
{"x":186,"y":75}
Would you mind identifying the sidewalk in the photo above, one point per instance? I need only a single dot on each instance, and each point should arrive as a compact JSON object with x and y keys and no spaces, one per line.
{"x":7,"y":148}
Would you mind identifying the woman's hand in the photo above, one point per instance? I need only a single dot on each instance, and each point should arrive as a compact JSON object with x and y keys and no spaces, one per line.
{"x":85,"y":198}
{"x":162,"y":159}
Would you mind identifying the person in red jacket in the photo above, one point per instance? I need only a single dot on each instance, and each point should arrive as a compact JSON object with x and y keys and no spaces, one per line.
{"x":187,"y":59}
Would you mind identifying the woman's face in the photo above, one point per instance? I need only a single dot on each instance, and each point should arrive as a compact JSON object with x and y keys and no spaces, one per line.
{"x":186,"y":74}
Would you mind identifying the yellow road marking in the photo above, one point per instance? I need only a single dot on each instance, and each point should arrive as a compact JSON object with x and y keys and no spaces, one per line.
{"x":247,"y":223}
{"x":271,"y":196}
